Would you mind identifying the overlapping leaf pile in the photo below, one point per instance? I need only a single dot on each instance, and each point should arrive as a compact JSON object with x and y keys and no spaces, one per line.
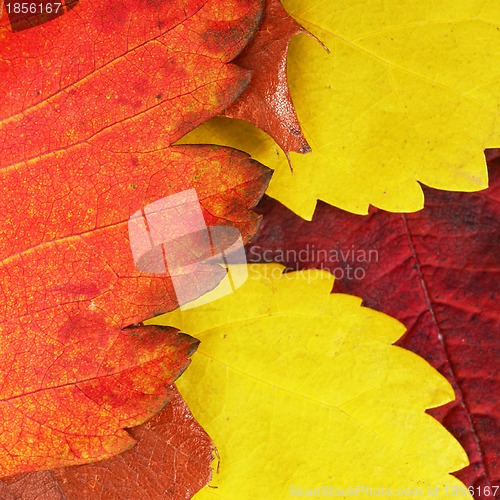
{"x":297,"y":387}
{"x":171,"y":459}
{"x":435,"y":271}
{"x":409,"y":92}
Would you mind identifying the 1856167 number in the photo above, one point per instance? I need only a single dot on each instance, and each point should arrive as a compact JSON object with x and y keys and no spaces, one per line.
{"x":33,"y":8}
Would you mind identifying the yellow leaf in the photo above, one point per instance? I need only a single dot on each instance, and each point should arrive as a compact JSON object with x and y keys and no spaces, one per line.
{"x":409,"y":93}
{"x":302,"y":389}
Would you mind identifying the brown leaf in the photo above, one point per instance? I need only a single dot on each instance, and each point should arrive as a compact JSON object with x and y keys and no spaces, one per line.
{"x":266,"y":103}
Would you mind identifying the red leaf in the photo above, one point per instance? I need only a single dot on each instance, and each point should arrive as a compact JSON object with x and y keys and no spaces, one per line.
{"x":437,"y":272}
{"x":171,"y":460}
{"x":267,"y":103}
{"x":91,"y":104}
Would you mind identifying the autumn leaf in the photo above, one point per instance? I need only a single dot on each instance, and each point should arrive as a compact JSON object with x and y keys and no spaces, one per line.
{"x":409,"y":94}
{"x":300,"y":388}
{"x":92,"y":102}
{"x":435,"y":271}
{"x":266,"y":102}
{"x":171,"y":460}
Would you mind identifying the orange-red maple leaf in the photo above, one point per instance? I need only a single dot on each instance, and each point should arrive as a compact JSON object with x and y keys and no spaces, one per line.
{"x":91,"y":104}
